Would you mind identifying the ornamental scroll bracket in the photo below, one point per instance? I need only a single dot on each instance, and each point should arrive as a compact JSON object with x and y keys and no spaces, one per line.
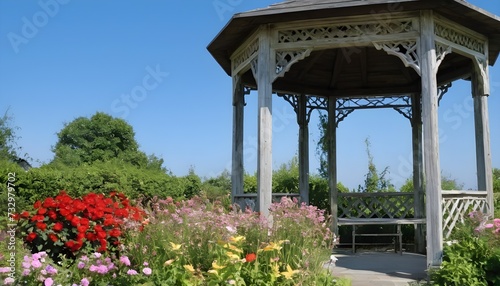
{"x":312,"y":103}
{"x":442,"y":90}
{"x":441,"y":52}
{"x":285,"y":60}
{"x":406,"y":50}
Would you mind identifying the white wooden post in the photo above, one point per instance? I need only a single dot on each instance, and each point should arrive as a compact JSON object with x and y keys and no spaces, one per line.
{"x":265,"y":123}
{"x":237,"y":151}
{"x":332,"y":161}
{"x":482,"y":127}
{"x":303,"y":149}
{"x":418,"y":171}
{"x":432,"y":167}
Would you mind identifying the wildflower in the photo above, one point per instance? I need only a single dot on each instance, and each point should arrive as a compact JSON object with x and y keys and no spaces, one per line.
{"x":147,"y":271}
{"x":132,"y":272}
{"x":81,"y":265}
{"x":48,"y":282}
{"x":189,"y":268}
{"x":125,"y":260}
{"x":237,"y":238}
{"x":250,"y":257}
{"x":8,"y":281}
{"x":4,"y":269}
{"x":36,"y":264}
{"x":175,"y":246}
{"x":289,"y":272}
{"x":168,"y":262}
{"x":217,"y":266}
{"x":85,"y":282}
{"x":50,"y":269}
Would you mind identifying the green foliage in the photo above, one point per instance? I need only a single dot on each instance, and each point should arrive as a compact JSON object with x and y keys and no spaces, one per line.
{"x":286,"y":177}
{"x":100,"y":139}
{"x":496,"y":180}
{"x":474,"y":256}
{"x":8,"y":149}
{"x":448,"y":183}
{"x":101,"y":177}
{"x":374,"y":181}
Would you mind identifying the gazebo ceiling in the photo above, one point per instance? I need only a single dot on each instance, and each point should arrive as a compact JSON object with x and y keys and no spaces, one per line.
{"x":369,"y":71}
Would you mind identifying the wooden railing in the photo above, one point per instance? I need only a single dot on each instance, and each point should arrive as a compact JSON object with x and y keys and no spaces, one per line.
{"x":458,"y":204}
{"x":375,"y":205}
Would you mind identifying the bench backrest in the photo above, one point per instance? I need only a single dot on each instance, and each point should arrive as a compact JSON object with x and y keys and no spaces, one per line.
{"x":376,"y":205}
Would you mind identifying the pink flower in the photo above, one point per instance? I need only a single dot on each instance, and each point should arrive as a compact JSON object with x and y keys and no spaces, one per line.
{"x":132,"y":272}
{"x":125,"y":260}
{"x":48,"y":282}
{"x":50,"y":269}
{"x":81,"y":265}
{"x":36,"y":264}
{"x":85,"y":282}
{"x":4,"y":269}
{"x":8,"y":281}
{"x":147,"y":271}
{"x":489,"y":225}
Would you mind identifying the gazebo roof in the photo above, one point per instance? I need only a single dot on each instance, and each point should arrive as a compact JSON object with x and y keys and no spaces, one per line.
{"x":243,"y":24}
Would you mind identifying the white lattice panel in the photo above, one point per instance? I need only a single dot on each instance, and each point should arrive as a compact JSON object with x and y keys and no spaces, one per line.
{"x":456,"y":208}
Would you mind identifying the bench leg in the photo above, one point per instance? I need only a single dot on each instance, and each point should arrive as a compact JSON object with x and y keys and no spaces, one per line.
{"x":353,"y":239}
{"x":400,"y":237}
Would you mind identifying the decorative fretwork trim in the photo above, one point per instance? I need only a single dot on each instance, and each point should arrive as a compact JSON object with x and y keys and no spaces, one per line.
{"x":405,"y":50}
{"x":312,"y":103}
{"x":345,"y":31}
{"x":285,"y":60}
{"x":458,"y":37}
{"x":254,"y":66}
{"x":441,"y":52}
{"x":442,"y":90}
{"x":241,"y":60}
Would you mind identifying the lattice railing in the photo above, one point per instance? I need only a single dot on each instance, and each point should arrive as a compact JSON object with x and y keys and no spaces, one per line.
{"x":458,"y":204}
{"x":375,"y":205}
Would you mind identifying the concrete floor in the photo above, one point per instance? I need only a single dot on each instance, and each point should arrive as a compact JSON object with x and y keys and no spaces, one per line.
{"x":379,"y":268}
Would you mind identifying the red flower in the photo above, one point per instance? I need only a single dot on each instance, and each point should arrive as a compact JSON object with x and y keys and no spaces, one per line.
{"x":49,"y":203}
{"x":75,"y":221}
{"x":37,"y":204}
{"x":52,"y":214}
{"x":82,"y":228}
{"x":115,"y":232}
{"x":90,"y":236}
{"x":250,"y":257}
{"x":103,"y":245}
{"x":41,"y":226}
{"x":57,"y":226}
{"x":31,"y":237}
{"x":53,"y":237}
{"x":25,"y":214}
{"x":37,"y":218}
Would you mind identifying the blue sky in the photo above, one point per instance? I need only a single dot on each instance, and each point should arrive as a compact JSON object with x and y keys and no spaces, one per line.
{"x":80,"y":57}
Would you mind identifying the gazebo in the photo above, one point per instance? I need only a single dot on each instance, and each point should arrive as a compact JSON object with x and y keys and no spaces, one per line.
{"x":344,"y":55}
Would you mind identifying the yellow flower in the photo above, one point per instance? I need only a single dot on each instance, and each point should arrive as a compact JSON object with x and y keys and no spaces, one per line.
{"x":217,"y":266}
{"x":212,"y":271}
{"x":175,"y":246}
{"x":289,"y":272}
{"x":189,"y":268}
{"x":272,"y":246}
{"x":234,"y":248}
{"x":276,"y":270}
{"x":168,"y":262}
{"x":237,"y":238}
{"x":232,"y":256}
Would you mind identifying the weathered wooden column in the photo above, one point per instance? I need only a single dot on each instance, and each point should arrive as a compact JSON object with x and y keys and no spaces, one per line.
{"x":428,"y":67}
{"x":480,"y":92}
{"x":418,"y":171}
{"x":265,"y":122}
{"x":303,"y":149}
{"x":237,"y":173}
{"x":332,"y":161}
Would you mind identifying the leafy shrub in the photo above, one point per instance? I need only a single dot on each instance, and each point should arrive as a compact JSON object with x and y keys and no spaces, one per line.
{"x":474,"y":256}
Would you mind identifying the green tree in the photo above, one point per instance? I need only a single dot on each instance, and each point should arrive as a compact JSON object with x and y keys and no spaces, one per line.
{"x":496,"y":180}
{"x":374,"y":181}
{"x":447,"y":184}
{"x":100,"y":138}
{"x":8,"y":149}
{"x":286,"y":177}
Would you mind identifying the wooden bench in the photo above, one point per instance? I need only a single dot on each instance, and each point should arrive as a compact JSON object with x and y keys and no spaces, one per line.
{"x":356,"y":209}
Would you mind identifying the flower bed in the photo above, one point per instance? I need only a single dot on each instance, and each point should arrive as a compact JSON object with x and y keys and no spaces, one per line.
{"x":99,"y":240}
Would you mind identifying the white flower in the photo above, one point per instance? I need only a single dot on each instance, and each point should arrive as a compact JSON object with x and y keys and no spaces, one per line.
{"x":333,"y":259}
